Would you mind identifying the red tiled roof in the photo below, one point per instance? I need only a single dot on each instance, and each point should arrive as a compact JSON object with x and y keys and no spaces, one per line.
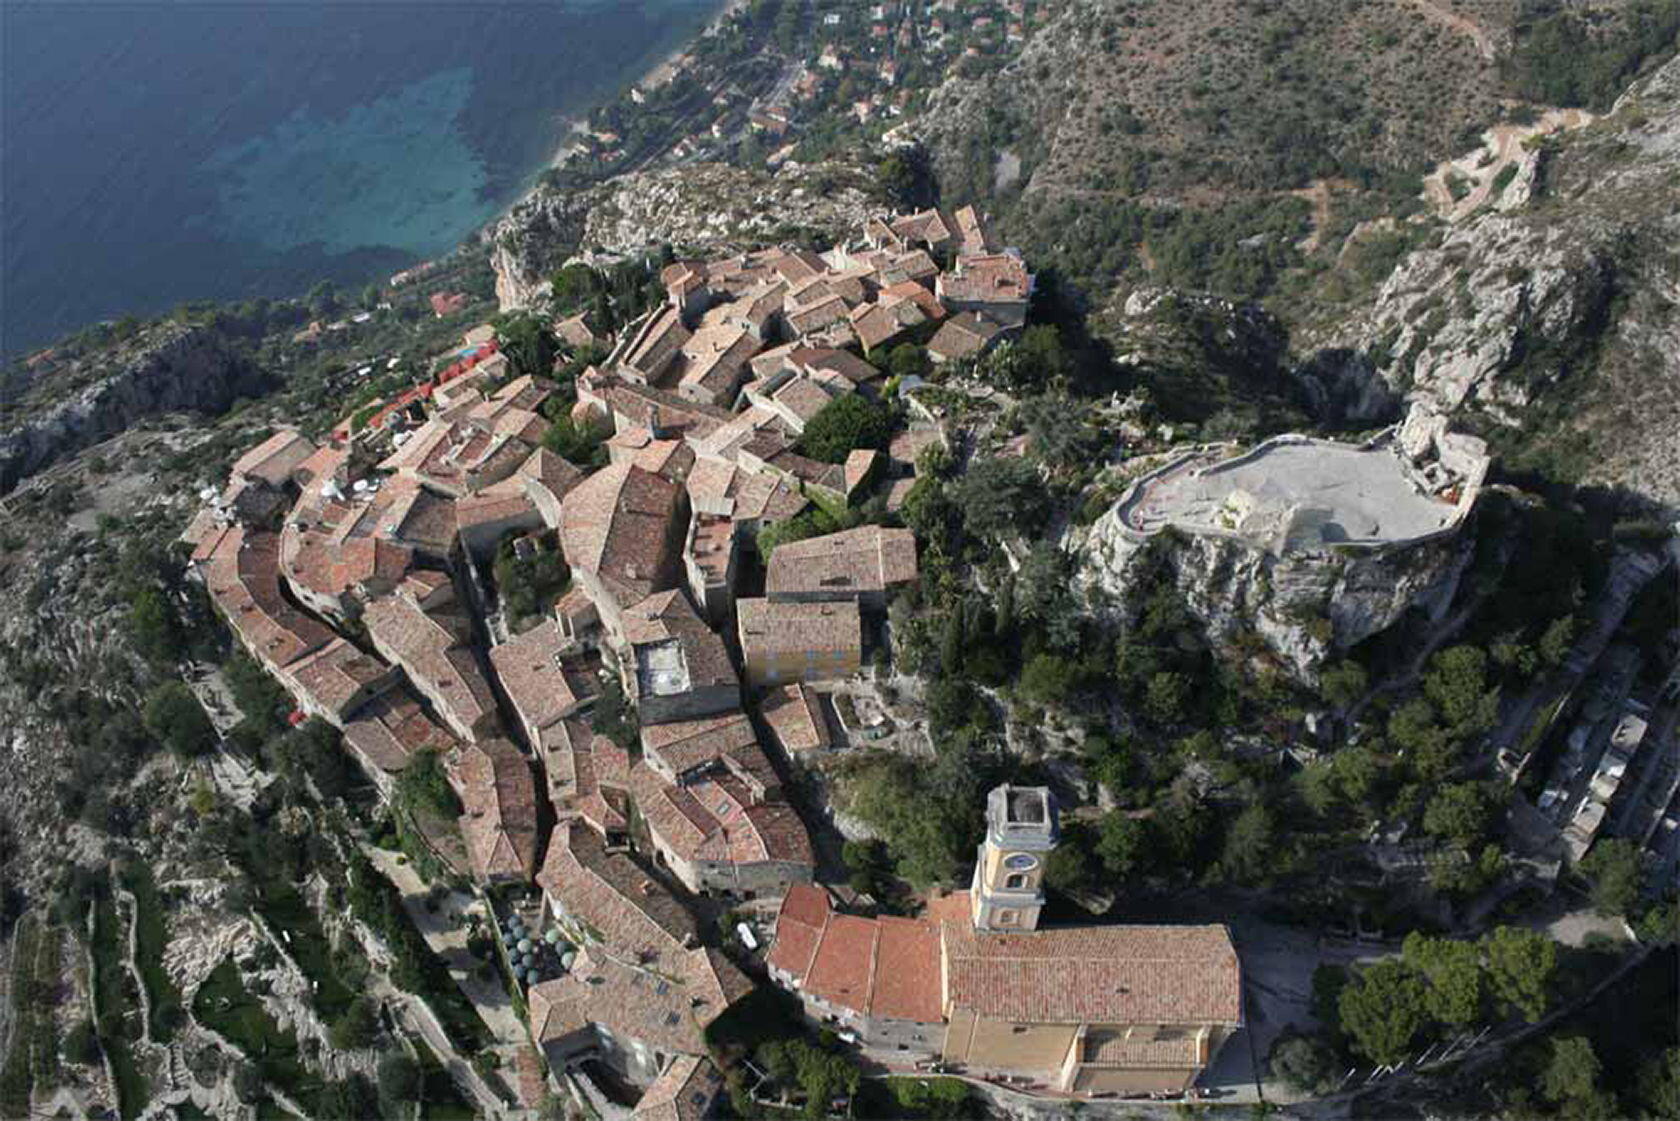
{"x":617,"y":524}
{"x":499,"y":796}
{"x":1096,"y":974}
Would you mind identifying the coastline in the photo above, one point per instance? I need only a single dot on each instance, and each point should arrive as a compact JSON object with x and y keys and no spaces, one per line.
{"x":661,"y":71}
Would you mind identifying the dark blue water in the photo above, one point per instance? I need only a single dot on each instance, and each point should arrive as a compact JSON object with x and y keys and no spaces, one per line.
{"x":160,"y":151}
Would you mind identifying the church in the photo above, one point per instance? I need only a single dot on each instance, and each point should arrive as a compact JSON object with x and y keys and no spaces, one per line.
{"x":977,"y":985}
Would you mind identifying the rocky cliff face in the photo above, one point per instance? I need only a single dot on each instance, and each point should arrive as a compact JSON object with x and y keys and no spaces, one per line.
{"x":170,"y":368}
{"x":698,"y":207}
{"x":1304,"y":606}
{"x":1549,"y":323}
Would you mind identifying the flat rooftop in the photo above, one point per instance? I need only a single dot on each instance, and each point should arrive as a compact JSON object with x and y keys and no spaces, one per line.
{"x":1293,"y":493}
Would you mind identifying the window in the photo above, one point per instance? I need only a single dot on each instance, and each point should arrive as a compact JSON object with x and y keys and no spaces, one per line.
{"x":1008,"y":917}
{"x":1017,"y":881}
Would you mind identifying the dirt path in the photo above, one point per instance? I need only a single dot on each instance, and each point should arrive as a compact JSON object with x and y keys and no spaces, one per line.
{"x":1503,"y":146}
{"x":1451,"y":20}
{"x":1318,"y":195}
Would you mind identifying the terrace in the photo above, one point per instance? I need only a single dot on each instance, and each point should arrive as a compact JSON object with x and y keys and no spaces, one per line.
{"x":1292,"y":494}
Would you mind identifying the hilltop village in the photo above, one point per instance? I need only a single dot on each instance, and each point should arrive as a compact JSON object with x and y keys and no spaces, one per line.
{"x":623,"y":748}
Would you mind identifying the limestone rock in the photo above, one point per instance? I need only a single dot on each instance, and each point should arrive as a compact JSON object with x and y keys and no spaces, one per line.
{"x":699,"y":207}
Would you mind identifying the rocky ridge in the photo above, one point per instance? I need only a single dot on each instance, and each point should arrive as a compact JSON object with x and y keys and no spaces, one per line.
{"x":1549,"y":321}
{"x":695,"y":207}
{"x":171,"y":367}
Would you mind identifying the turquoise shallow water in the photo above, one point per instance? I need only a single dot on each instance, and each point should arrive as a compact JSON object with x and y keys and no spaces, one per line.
{"x":381,"y":173}
{"x":153,"y":151}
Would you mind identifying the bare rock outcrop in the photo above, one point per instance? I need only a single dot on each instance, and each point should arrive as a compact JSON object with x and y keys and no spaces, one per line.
{"x":170,"y":367}
{"x":697,"y":207}
{"x":1551,"y":325}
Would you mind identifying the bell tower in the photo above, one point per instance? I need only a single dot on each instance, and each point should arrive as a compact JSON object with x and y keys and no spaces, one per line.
{"x":1008,"y":888}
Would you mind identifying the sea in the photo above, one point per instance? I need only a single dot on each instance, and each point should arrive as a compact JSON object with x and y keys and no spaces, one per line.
{"x":169,"y":150}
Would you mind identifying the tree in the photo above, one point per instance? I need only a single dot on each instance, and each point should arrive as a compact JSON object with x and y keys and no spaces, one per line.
{"x":529,"y":345}
{"x":1659,"y":1086}
{"x":1249,"y":844}
{"x":1571,"y":1074}
{"x":400,"y":1081}
{"x":176,"y":719}
{"x":1617,"y":873}
{"x":1123,"y":844}
{"x":846,"y":424}
{"x":1307,"y":1064}
{"x":1055,"y":434}
{"x":358,"y":1027}
{"x":1456,"y":684}
{"x":1520,"y":967}
{"x":1003,"y":496}
{"x":157,"y":630}
{"x":578,"y":442}
{"x":574,"y":286}
{"x":1461,"y":813}
{"x":1453,"y":972}
{"x":1048,"y":679}
{"x":613,"y":717}
{"x":1166,"y":696}
{"x":1382,"y":1009}
{"x":1343,"y":684}
{"x":908,"y":360}
{"x":1035,"y":361}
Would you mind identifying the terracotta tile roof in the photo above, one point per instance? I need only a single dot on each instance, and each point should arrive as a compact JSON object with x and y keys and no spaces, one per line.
{"x":667,"y":1013}
{"x":855,"y":369}
{"x":906,"y":447}
{"x":575,"y":332}
{"x":930,"y":226}
{"x":795,"y":717}
{"x":1137,"y":1048}
{"x":776,"y":453}
{"x":656,"y":408}
{"x":916,"y":293}
{"x":770,"y":627}
{"x":685,"y":745}
{"x":542,"y":680}
{"x":961,"y":336}
{"x":767,"y":499}
{"x":711,"y":546}
{"x":206,"y":527}
{"x":243,"y":577}
{"x":617,"y":525}
{"x":1096,"y":974}
{"x":989,"y":278}
{"x":273,"y":460}
{"x":674,"y":651}
{"x":972,"y":228}
{"x":588,"y":774}
{"x":432,"y":647}
{"x":494,"y":506}
{"x":337,"y":676}
{"x":652,"y":346}
{"x":879,"y":324}
{"x":859,"y":463}
{"x":390,"y":729}
{"x":716,"y":820}
{"x":842,"y":970}
{"x":906,"y":980}
{"x":499,"y":795}
{"x":684,"y":1091}
{"x":869,"y":558}
{"x":634,"y":916}
{"x":818,"y":315}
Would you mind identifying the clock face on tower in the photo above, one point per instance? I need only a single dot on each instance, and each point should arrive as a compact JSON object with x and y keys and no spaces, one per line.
{"x":1020,"y":862}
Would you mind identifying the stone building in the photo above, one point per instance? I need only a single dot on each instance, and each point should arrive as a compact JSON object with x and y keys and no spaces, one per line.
{"x":976,"y":983}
